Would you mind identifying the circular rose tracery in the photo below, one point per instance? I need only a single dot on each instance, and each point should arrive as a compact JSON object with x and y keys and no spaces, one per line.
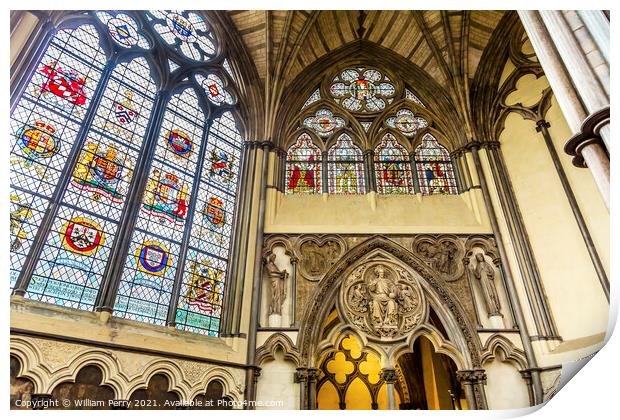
{"x":362,"y":90}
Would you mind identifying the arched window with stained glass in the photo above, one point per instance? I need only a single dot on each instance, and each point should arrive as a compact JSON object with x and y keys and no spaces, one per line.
{"x":99,"y":154}
{"x":434,"y":167}
{"x":303,"y":166}
{"x":392,"y":167}
{"x":345,"y":166}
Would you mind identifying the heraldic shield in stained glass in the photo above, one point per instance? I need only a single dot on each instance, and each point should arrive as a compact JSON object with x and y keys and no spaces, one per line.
{"x":166,"y":197}
{"x":303,"y":166}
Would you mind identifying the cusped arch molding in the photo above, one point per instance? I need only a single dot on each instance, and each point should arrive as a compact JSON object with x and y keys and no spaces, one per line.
{"x":436,"y":292}
{"x":31,"y":366}
{"x":277,"y":342}
{"x":499,"y":347}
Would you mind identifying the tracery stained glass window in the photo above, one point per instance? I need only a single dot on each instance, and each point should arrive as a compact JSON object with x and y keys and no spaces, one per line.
{"x":73,"y":260}
{"x":44,"y":126}
{"x":362,"y":90}
{"x":123,"y":29}
{"x":406,"y":122}
{"x":324,"y":122}
{"x":345,"y":167}
{"x":434,"y":167}
{"x":392,"y":167}
{"x":185,"y":31}
{"x":303,"y":166}
{"x":201,"y":294}
{"x":148,"y":276}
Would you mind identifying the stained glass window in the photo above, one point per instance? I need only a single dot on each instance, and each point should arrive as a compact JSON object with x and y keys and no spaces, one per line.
{"x":148,"y":277}
{"x":324,"y":122}
{"x":73,"y":260}
{"x":434,"y":167}
{"x":392,"y":167}
{"x":406,"y":122}
{"x":345,"y":166}
{"x":200,"y":301}
{"x":187,"y":32}
{"x":303,"y":166}
{"x":44,"y":127}
{"x":362,"y":90}
{"x":74,"y":170}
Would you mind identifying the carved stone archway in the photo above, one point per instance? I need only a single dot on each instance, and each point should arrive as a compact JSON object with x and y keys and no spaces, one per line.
{"x":460,"y":329}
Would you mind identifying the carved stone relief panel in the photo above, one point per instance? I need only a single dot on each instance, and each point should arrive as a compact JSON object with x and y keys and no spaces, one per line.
{"x":443,"y":253}
{"x":447,"y":255}
{"x":382,"y":299}
{"x":318,"y":254}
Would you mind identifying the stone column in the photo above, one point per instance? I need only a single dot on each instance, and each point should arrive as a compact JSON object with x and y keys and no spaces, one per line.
{"x":313,"y":376}
{"x":390,"y":378}
{"x":371,"y":180}
{"x":301,"y":378}
{"x":473,"y":382}
{"x":294,"y":261}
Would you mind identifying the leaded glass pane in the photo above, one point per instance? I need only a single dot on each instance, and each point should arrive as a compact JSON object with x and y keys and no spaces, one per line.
{"x":345,"y":167}
{"x":44,"y":126}
{"x":150,"y":267}
{"x":392,"y":167}
{"x":434,"y":167}
{"x":76,"y":250}
{"x":324,"y":122}
{"x":303,"y":166}
{"x":200,"y":301}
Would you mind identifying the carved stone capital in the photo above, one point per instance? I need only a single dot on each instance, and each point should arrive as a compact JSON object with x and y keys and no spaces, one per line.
{"x":389,"y":376}
{"x":301,"y":375}
{"x":589,"y":134}
{"x":313,"y":375}
{"x":474,"y":376}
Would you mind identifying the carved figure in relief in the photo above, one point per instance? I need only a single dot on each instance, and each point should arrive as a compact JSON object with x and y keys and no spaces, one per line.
{"x":485,"y":274}
{"x":277,"y":279}
{"x":383,"y":303}
{"x":443,"y":256}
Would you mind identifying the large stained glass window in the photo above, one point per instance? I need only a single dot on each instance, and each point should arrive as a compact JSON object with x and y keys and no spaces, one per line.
{"x":201,"y":294}
{"x":83,"y":125}
{"x":43,"y":129}
{"x":392,"y":167}
{"x":345,"y":165}
{"x":434,"y":167}
{"x":303,"y":166}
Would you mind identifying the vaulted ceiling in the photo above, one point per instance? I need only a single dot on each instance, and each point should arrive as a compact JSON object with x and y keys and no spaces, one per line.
{"x":447,"y":45}
{"x":283,"y":43}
